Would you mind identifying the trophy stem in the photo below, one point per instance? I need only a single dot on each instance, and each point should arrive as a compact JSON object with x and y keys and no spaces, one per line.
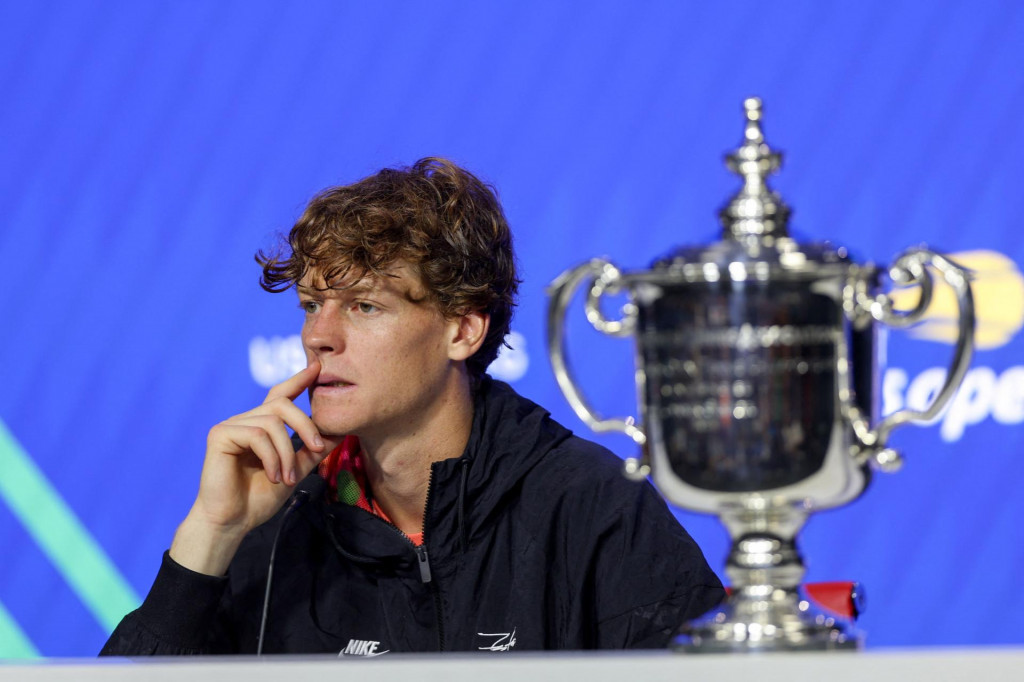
{"x":766,"y":610}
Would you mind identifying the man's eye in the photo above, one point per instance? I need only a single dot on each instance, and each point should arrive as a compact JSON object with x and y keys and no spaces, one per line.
{"x":309,"y":306}
{"x":366,"y":308}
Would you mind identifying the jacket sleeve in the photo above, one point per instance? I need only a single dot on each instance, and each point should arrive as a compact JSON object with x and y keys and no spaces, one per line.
{"x":178,"y":617}
{"x":650,"y":576}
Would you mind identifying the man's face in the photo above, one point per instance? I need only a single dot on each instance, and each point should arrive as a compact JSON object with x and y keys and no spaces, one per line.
{"x":383,"y":348}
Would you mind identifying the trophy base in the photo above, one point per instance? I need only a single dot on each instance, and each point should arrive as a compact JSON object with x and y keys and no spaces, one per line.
{"x":763,"y":618}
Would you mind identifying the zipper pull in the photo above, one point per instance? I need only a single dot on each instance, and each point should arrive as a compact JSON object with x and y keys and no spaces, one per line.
{"x":421,"y":555}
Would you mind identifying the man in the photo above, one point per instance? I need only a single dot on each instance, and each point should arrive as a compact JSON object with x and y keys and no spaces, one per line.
{"x":446,"y":512}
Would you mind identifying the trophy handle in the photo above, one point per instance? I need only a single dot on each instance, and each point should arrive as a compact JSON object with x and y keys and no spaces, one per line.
{"x":604,"y":277}
{"x":911,"y":268}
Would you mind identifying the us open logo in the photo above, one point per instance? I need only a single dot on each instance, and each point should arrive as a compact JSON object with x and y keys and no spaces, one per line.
{"x":998,"y":288}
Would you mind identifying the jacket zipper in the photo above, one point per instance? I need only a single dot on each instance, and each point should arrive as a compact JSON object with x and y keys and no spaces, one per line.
{"x":424,"y":560}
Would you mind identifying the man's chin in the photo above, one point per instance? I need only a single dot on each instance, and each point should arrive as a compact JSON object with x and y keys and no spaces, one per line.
{"x":332,"y":430}
{"x":329,"y":425}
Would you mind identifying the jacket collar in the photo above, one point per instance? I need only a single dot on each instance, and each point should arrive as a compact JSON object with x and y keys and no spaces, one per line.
{"x":509,"y":437}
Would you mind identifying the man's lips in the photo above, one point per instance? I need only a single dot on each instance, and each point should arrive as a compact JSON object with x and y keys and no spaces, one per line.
{"x":327,"y":381}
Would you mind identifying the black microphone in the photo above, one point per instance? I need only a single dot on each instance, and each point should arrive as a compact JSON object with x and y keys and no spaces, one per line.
{"x":299,"y":498}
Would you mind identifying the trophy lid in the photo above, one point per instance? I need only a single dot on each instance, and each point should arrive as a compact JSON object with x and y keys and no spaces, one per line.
{"x":755,"y":232}
{"x":755,"y":211}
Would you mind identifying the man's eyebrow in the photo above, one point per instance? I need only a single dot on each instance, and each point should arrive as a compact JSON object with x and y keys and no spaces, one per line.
{"x":360,"y":287}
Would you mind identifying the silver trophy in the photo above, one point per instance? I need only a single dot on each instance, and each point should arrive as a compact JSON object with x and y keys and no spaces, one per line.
{"x":757,"y":379}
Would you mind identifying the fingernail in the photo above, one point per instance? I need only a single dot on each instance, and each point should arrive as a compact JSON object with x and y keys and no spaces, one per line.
{"x":318,"y":441}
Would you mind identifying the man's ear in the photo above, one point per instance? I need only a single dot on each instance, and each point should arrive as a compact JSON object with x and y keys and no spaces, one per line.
{"x":469,"y":331}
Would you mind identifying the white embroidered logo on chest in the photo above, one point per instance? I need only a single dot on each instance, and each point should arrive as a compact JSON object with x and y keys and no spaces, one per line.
{"x":501,"y":641}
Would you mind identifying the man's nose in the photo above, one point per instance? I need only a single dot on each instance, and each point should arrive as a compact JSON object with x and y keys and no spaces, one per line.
{"x":324,"y":333}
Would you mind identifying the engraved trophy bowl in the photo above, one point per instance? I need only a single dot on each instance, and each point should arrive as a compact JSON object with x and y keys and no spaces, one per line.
{"x":757,"y":380}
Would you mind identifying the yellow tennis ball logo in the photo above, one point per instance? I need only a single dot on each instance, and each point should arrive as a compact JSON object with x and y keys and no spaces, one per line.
{"x":998,"y":287}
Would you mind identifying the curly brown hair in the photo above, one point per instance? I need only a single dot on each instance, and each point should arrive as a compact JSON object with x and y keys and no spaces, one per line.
{"x":434,"y":215}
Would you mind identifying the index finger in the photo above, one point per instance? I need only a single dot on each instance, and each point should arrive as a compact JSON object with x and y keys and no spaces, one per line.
{"x":293,"y":387}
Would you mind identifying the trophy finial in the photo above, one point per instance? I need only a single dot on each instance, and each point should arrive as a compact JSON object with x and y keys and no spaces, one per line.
{"x":755,"y":211}
{"x":752,"y":107}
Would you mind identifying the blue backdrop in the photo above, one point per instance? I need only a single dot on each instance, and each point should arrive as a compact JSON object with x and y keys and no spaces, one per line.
{"x":147,"y":149}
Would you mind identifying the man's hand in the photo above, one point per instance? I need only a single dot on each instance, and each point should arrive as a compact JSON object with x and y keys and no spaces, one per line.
{"x":250,"y":470}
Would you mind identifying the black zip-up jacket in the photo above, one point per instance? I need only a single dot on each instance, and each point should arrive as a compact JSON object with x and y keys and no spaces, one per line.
{"x":533,"y":539}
